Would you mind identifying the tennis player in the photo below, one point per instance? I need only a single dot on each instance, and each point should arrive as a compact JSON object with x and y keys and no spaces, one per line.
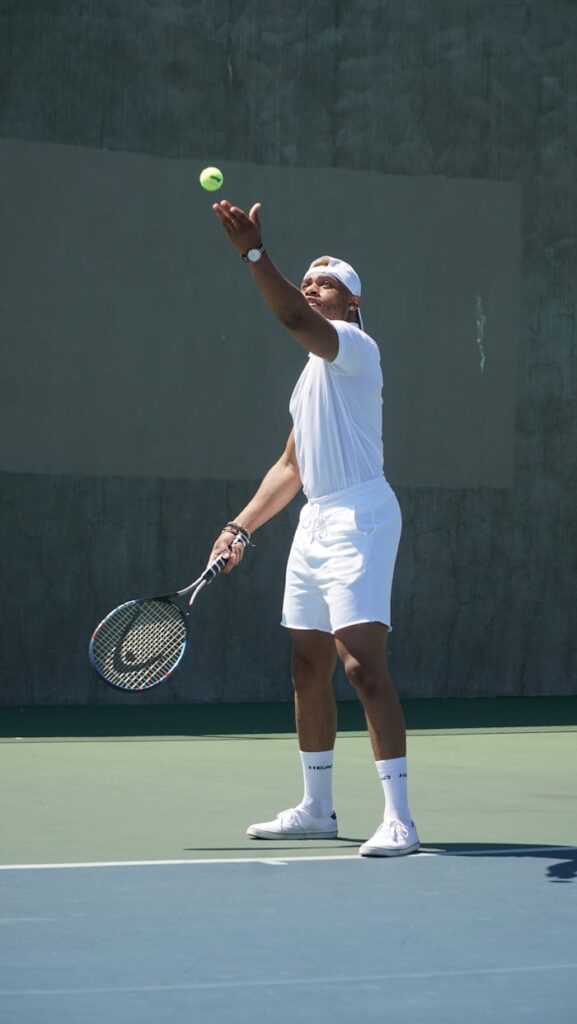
{"x":340,"y":569}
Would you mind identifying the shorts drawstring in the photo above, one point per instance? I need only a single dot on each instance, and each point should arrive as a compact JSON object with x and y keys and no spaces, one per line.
{"x":312,"y":521}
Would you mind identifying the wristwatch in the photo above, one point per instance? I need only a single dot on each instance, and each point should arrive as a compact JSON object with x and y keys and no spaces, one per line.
{"x":253,"y":255}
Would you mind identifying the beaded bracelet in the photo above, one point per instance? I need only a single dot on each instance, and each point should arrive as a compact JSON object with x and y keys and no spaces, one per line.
{"x":237,"y":530}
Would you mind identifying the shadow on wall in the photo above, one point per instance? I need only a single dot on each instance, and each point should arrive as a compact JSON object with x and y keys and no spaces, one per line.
{"x":250,"y":720}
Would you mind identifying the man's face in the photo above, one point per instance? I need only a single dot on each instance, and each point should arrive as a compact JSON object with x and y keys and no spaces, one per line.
{"x":329,"y":296}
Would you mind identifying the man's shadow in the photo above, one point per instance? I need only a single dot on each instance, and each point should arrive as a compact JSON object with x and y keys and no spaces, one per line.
{"x":565,"y":870}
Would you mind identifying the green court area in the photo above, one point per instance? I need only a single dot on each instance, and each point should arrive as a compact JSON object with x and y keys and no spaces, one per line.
{"x":93,"y":785}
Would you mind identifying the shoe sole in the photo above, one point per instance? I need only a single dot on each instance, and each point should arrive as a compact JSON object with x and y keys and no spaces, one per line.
{"x":379,"y":851}
{"x":256,"y":833}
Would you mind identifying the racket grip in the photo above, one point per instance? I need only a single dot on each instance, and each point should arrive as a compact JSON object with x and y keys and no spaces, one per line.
{"x":219,"y":563}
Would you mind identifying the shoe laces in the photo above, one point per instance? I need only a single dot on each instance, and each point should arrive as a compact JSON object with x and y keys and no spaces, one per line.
{"x":395,"y":828}
{"x":290,"y":816}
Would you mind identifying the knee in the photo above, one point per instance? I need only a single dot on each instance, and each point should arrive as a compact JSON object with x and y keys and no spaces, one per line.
{"x":363,"y":677}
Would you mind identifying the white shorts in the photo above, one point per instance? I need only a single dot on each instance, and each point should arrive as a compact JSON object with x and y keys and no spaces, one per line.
{"x":342,"y":559}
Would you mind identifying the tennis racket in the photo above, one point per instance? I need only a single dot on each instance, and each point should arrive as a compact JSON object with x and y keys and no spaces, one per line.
{"x":141,"y":643}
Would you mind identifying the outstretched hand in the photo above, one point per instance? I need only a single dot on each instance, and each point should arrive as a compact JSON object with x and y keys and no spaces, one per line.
{"x":243,"y":229}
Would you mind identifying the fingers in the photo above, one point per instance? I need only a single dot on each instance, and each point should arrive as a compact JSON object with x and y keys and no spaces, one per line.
{"x":225,"y":211}
{"x":243,"y":230}
{"x":233,"y":220}
{"x":233,"y":555}
{"x":254,"y":214}
{"x":223,"y":214}
{"x":237,"y":216}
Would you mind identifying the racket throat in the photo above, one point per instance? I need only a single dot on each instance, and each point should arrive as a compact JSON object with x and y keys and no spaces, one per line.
{"x":195,"y":594}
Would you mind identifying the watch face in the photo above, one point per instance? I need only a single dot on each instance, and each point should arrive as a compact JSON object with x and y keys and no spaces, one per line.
{"x":254,"y":255}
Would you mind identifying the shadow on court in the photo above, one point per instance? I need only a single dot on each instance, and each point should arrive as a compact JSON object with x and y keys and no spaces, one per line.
{"x":564,"y":871}
{"x":262,"y":846}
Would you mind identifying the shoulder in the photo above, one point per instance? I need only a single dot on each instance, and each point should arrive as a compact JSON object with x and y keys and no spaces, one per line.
{"x":356,"y":348}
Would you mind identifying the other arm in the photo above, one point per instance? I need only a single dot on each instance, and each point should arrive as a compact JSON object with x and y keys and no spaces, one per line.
{"x":278,"y":488}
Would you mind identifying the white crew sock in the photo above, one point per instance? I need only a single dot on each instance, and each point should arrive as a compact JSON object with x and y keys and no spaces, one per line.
{"x":318,"y":780}
{"x":393,"y":776}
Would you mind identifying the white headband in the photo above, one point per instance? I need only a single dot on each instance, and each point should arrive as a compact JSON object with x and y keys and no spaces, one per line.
{"x":343,"y":272}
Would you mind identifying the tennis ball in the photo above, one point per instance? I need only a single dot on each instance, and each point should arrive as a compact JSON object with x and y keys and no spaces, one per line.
{"x":211,"y":178}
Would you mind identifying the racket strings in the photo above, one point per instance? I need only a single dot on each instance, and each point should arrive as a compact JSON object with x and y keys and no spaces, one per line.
{"x":139,"y":644}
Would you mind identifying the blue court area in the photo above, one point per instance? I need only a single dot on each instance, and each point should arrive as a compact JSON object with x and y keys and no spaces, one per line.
{"x":430,"y":938}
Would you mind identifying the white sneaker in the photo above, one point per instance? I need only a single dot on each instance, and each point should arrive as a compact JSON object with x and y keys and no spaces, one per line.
{"x":295,"y":823}
{"x":392,"y":839}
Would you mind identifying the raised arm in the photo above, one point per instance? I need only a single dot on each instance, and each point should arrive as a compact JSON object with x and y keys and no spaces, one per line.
{"x":278,"y":488}
{"x":310,"y":328}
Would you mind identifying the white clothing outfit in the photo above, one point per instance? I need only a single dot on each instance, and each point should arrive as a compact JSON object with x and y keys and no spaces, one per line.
{"x":341,"y":564}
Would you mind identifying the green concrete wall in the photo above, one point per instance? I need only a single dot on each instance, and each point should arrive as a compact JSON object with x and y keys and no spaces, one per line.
{"x":431,"y":144}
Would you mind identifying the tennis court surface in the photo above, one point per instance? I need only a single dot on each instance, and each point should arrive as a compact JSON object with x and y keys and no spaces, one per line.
{"x":130,"y":892}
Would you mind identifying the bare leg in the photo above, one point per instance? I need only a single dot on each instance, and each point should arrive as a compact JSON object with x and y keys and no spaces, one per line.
{"x":362,"y":650}
{"x":313,"y":663}
{"x":314,"y":660}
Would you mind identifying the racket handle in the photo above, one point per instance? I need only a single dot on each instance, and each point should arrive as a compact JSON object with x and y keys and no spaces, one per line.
{"x":219,"y":563}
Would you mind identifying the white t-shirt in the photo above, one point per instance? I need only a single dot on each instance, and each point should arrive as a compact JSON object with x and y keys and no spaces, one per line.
{"x":337,"y":414}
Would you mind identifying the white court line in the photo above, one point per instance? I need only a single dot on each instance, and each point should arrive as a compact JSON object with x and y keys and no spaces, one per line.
{"x":170,"y":863}
{"x":280,"y":861}
{"x":332,"y":980}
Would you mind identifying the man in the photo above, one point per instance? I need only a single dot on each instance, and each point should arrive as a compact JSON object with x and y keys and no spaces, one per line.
{"x":340,"y":569}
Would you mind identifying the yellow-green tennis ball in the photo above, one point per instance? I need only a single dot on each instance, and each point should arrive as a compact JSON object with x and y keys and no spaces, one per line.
{"x":211,"y":178}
